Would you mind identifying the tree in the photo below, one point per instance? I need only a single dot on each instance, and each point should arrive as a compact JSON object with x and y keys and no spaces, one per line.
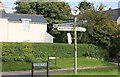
{"x":54,"y":12}
{"x":24,"y":8}
{"x":101,"y":7}
{"x":115,"y":48}
{"x":85,"y":5}
{"x":100,"y":27}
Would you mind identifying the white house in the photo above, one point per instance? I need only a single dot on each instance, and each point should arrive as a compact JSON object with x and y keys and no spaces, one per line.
{"x":23,"y":28}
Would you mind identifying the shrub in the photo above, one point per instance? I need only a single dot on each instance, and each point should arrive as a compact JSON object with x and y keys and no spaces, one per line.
{"x":89,"y":50}
{"x":32,"y":51}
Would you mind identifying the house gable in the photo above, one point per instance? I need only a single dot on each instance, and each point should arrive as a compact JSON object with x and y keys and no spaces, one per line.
{"x":23,"y":28}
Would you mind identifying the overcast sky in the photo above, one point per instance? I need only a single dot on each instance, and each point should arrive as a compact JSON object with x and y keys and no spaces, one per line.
{"x":9,"y":4}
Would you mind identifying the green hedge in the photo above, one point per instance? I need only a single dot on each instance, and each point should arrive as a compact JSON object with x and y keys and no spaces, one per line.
{"x":40,"y":51}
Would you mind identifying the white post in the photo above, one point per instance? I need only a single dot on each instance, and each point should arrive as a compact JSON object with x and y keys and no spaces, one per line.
{"x":75,"y":46}
{"x":75,"y":11}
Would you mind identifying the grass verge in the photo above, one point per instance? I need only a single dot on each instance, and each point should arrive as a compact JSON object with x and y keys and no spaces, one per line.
{"x":61,"y":63}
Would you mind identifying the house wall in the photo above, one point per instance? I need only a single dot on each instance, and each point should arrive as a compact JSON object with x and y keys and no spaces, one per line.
{"x":3,"y":30}
{"x":14,"y":32}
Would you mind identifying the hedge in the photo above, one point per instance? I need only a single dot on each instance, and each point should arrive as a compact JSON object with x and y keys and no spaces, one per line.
{"x":40,"y":51}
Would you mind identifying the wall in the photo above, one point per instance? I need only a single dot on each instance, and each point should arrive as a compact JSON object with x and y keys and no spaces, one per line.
{"x":3,"y":30}
{"x":14,"y":32}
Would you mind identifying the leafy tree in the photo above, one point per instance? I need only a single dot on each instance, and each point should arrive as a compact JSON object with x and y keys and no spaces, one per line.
{"x":100,"y":27}
{"x":101,"y":7}
{"x":24,"y":8}
{"x":85,"y":5}
{"x":115,"y":48}
{"x":54,"y":12}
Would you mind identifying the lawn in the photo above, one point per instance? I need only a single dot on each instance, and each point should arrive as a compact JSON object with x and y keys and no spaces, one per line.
{"x":104,"y":72}
{"x":98,"y":71}
{"x":61,"y":63}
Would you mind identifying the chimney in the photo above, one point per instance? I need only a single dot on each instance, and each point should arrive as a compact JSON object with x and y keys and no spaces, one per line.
{"x":1,"y":5}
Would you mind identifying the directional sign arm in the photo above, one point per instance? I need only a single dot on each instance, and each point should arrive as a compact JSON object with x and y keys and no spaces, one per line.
{"x":70,"y":24}
{"x":71,"y":29}
{"x":82,"y":22}
{"x":64,"y":24}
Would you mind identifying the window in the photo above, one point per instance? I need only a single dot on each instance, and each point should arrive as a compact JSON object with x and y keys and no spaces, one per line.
{"x":26,"y":40}
{"x":26,"y":24}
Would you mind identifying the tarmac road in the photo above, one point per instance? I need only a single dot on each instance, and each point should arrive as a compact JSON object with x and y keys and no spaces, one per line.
{"x":41,"y":73}
{"x":37,"y":73}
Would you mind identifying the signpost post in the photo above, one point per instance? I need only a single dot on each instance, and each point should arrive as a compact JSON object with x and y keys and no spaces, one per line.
{"x":38,"y":64}
{"x":75,"y":12}
{"x":42,"y":65}
{"x":118,"y":61}
{"x":72,"y":27}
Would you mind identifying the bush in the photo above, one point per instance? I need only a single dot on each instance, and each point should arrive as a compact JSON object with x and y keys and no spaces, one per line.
{"x":29,"y":58}
{"x":32,"y":51}
{"x":89,"y":50}
{"x":7,"y":58}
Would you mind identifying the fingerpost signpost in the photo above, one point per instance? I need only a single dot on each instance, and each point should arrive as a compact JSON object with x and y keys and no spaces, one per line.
{"x":72,"y":27}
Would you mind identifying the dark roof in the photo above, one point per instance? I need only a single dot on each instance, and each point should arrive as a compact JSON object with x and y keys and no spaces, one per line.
{"x":3,"y":14}
{"x":17,"y":17}
{"x":115,"y":13}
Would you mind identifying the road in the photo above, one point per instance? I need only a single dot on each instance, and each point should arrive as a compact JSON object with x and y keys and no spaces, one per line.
{"x":40,"y":73}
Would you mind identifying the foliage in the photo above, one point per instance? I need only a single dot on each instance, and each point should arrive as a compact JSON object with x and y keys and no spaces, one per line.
{"x":85,"y":5}
{"x":41,"y":51}
{"x":115,"y":48}
{"x":100,"y":27}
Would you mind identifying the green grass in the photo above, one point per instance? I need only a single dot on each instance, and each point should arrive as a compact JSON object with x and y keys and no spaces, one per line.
{"x":61,"y":63}
{"x":82,"y":62}
{"x":13,"y":66}
{"x":100,"y":71}
{"x":104,"y":72}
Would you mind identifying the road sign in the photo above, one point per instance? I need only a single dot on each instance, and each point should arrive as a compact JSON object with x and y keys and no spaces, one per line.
{"x":71,"y":29}
{"x":82,"y":22}
{"x":75,"y":11}
{"x":52,"y":58}
{"x":65,"y":28}
{"x":70,"y":24}
{"x":39,"y":64}
{"x":81,"y":29}
{"x":69,"y":38}
{"x":68,"y":20}
{"x":64,"y":24}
